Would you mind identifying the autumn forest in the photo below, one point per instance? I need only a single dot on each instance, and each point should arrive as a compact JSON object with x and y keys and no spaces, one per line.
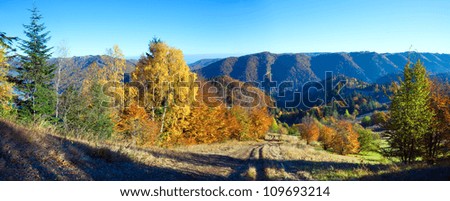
{"x":257,"y":117}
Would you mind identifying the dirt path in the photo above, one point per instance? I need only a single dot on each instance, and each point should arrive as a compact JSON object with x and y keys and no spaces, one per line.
{"x":264,"y":162}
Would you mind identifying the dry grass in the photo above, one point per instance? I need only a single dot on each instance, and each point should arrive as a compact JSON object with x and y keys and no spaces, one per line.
{"x":278,"y":174}
{"x":39,"y":155}
{"x":251,"y":173}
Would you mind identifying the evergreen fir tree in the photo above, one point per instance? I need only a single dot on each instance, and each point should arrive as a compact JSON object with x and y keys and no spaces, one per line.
{"x":35,"y":74}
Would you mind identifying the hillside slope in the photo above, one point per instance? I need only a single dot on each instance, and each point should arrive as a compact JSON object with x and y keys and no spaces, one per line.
{"x":300,"y":68}
{"x":31,"y":155}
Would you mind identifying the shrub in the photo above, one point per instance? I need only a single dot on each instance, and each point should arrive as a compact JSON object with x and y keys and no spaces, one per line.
{"x":366,"y":121}
{"x":284,"y":130}
{"x":368,"y":140}
{"x":291,"y":130}
{"x":379,"y":118}
{"x":347,"y":115}
{"x":274,"y":126}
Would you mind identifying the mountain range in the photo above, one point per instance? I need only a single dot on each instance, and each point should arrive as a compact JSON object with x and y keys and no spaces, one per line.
{"x":370,"y":67}
{"x":302,"y":67}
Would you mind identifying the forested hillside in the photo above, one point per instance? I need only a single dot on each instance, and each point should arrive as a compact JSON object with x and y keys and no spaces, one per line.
{"x":346,"y":116}
{"x":300,"y":68}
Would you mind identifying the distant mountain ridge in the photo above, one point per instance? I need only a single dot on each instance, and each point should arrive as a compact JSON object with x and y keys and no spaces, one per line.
{"x":74,"y":69}
{"x":82,"y":62}
{"x":303,"y":67}
{"x":202,"y":63}
{"x":299,"y":68}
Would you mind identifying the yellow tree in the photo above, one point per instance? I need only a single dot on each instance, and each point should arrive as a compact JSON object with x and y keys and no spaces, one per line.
{"x":5,"y":86}
{"x":346,"y":139}
{"x":115,"y":64}
{"x":113,"y":72}
{"x":171,"y":87}
{"x":327,"y":136}
{"x":309,"y":129}
{"x":261,"y":121}
{"x":208,"y":125}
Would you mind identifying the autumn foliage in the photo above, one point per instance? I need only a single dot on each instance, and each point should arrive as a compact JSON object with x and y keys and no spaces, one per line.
{"x":135,"y":124}
{"x":339,"y":137}
{"x":327,"y":137}
{"x":309,"y":130}
{"x":437,"y":141}
{"x":217,"y":123}
{"x":346,"y":139}
{"x":6,"y":88}
{"x":183,"y":112}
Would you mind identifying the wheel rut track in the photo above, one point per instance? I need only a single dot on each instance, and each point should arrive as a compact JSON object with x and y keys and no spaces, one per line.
{"x":261,"y":157}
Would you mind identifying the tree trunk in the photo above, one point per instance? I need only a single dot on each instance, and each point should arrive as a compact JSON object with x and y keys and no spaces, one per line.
{"x":163,"y":119}
{"x":57,"y":90}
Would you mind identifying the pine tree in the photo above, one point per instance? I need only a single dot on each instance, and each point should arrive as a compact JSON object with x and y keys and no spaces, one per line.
{"x":6,"y":41}
{"x":410,"y":114}
{"x":97,"y":116}
{"x":35,"y":74}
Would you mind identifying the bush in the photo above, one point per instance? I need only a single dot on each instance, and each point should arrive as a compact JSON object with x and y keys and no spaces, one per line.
{"x":347,"y":115}
{"x":292,"y":131}
{"x":368,"y":140}
{"x":274,"y":127}
{"x":379,"y":118}
{"x":217,"y":124}
{"x":260,"y":122}
{"x":366,"y":121}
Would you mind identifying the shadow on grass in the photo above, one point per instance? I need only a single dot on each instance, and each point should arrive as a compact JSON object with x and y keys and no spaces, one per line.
{"x":437,"y":173}
{"x":28,"y":156}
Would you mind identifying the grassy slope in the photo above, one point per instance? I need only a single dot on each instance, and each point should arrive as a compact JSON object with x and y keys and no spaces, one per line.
{"x":30,"y":155}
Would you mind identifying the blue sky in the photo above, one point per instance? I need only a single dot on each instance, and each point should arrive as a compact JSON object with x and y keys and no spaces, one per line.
{"x":234,"y":27}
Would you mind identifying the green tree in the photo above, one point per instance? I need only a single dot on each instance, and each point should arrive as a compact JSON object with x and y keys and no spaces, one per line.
{"x":274,"y":126}
{"x":368,"y":140}
{"x":35,"y":74}
{"x":410,"y":114}
{"x":6,"y":41}
{"x":97,"y":116}
{"x":347,"y":115}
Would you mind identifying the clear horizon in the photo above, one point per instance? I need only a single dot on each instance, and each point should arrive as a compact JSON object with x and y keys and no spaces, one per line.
{"x":234,"y":28}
